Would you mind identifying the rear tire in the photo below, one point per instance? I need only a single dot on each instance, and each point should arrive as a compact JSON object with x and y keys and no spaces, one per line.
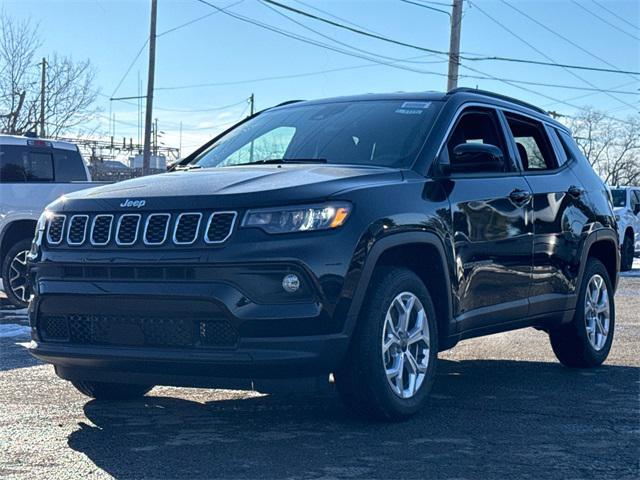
{"x":14,"y":270}
{"x":111,"y":391}
{"x":586,"y":341}
{"x":384,"y":342}
{"x":627,"y":252}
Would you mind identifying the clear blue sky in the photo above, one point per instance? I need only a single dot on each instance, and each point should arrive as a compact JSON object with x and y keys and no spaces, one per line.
{"x":220,"y":49}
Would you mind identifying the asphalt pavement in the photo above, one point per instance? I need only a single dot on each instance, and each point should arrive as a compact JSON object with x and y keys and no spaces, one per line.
{"x":501,"y":407}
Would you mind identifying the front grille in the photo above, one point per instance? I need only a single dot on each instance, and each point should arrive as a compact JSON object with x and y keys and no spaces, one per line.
{"x":137,"y":230}
{"x":155,"y":232}
{"x":77,"y":229}
{"x":101,"y":229}
{"x":142,"y":331}
{"x":220,"y":226}
{"x":56,"y":229}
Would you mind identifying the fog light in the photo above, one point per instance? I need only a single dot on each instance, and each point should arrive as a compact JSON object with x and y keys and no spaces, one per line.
{"x":291,"y":283}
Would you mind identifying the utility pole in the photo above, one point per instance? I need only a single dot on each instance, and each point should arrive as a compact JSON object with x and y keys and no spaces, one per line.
{"x":43,"y":87}
{"x":454,"y":45}
{"x":149,"y":107}
{"x":252,"y":101}
{"x":180,"y":145}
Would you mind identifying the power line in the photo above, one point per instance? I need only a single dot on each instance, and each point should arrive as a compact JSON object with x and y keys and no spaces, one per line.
{"x":554,"y":32}
{"x":426,"y":6}
{"x":331,"y":39}
{"x":425,"y":49}
{"x":540,"y":52}
{"x":198,"y":19}
{"x":622,"y":19}
{"x":612,"y":25}
{"x":135,"y":59}
{"x":313,"y":7}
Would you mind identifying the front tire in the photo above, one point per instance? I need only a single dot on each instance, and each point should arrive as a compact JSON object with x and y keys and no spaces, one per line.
{"x":391,"y":363}
{"x":586,"y":341}
{"x":627,"y":252}
{"x":14,"y":274}
{"x":111,"y":391}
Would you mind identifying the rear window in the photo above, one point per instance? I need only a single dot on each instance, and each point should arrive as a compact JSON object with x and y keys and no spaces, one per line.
{"x":23,"y":164}
{"x":619,"y":197}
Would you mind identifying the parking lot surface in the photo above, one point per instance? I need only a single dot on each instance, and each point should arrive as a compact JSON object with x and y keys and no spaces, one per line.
{"x":502,"y":407}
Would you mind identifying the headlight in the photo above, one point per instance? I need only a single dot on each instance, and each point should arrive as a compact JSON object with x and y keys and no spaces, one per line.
{"x":298,"y":219}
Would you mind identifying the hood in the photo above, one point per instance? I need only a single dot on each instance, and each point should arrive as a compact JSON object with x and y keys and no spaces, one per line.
{"x":230,"y":187}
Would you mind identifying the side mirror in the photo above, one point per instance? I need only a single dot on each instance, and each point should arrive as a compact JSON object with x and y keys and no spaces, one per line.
{"x":473,"y":158}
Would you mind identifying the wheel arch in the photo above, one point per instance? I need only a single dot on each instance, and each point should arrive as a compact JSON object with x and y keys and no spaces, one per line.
{"x":402,"y":250}
{"x":14,"y":232}
{"x":602,"y":245}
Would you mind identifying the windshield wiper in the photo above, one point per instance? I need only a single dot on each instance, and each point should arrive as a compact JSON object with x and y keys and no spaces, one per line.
{"x":188,"y":167}
{"x":283,"y":161}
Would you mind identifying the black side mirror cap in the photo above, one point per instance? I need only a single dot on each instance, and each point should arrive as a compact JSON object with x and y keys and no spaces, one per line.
{"x":476,"y":157}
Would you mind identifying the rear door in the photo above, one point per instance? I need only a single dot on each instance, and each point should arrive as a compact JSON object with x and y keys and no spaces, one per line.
{"x":492,"y":230}
{"x":560,"y":215}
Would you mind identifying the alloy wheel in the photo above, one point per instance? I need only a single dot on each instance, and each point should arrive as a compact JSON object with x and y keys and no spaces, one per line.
{"x":18,"y":277}
{"x":405,"y":345}
{"x":597,"y":312}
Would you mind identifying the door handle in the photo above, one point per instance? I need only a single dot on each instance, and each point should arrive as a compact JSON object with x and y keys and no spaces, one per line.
{"x":520,"y":197}
{"x":574,"y":191}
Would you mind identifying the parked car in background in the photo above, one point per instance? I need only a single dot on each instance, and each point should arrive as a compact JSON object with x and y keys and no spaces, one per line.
{"x":626,"y":206}
{"x":357,"y":236}
{"x":33,"y":173}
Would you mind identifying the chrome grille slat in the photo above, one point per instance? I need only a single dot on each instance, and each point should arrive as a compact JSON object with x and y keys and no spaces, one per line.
{"x":187,"y":228}
{"x":55,"y":229}
{"x":127,"y":229}
{"x":77,"y":233}
{"x":101,"y":230}
{"x":220,"y":226}
{"x":156,"y":228}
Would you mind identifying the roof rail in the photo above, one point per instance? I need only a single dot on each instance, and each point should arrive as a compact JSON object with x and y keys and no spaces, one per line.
{"x":288,"y":102}
{"x":497,"y":96}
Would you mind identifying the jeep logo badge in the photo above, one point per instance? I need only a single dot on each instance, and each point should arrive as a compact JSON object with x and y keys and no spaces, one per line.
{"x":133,"y":203}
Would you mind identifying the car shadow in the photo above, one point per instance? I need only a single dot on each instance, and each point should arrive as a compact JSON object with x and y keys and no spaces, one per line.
{"x":484,"y":419}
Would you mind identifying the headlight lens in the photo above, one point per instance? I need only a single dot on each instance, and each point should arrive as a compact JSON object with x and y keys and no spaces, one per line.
{"x":298,"y":219}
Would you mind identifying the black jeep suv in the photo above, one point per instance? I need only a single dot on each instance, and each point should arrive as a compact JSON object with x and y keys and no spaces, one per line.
{"x":357,"y":236}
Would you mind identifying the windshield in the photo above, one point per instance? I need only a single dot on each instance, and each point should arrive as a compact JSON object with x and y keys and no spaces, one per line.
{"x":619,"y":197}
{"x":385,"y":133}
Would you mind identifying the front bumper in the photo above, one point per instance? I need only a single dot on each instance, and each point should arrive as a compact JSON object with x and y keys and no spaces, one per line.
{"x":109,"y":329}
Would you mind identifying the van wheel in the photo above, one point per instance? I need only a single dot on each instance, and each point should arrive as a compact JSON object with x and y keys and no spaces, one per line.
{"x":14,"y":274}
{"x":626,"y":253}
{"x":111,"y":391}
{"x":586,"y":341}
{"x":391,"y":363}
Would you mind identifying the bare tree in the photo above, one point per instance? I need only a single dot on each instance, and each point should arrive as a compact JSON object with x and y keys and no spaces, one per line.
{"x":69,"y":92}
{"x":612,"y":146}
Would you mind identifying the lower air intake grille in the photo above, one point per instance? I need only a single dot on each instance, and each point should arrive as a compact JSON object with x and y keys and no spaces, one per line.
{"x":143,"y":331}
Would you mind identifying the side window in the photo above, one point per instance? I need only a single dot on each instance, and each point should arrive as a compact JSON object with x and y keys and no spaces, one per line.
{"x":635,"y":200}
{"x":476,"y":126}
{"x":20,"y":165}
{"x":271,"y":145}
{"x":69,"y":166}
{"x":563,"y":155}
{"x":534,"y":147}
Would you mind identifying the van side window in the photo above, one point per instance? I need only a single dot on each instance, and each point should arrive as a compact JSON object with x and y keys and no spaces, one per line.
{"x":21,"y":165}
{"x":532,"y":142}
{"x":476,"y":126}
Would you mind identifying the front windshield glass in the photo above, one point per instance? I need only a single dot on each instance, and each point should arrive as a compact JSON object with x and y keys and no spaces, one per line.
{"x":385,"y":133}
{"x":619,"y":197}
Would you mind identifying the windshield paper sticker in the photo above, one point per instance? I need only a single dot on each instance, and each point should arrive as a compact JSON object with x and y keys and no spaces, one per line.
{"x":413,"y":108}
